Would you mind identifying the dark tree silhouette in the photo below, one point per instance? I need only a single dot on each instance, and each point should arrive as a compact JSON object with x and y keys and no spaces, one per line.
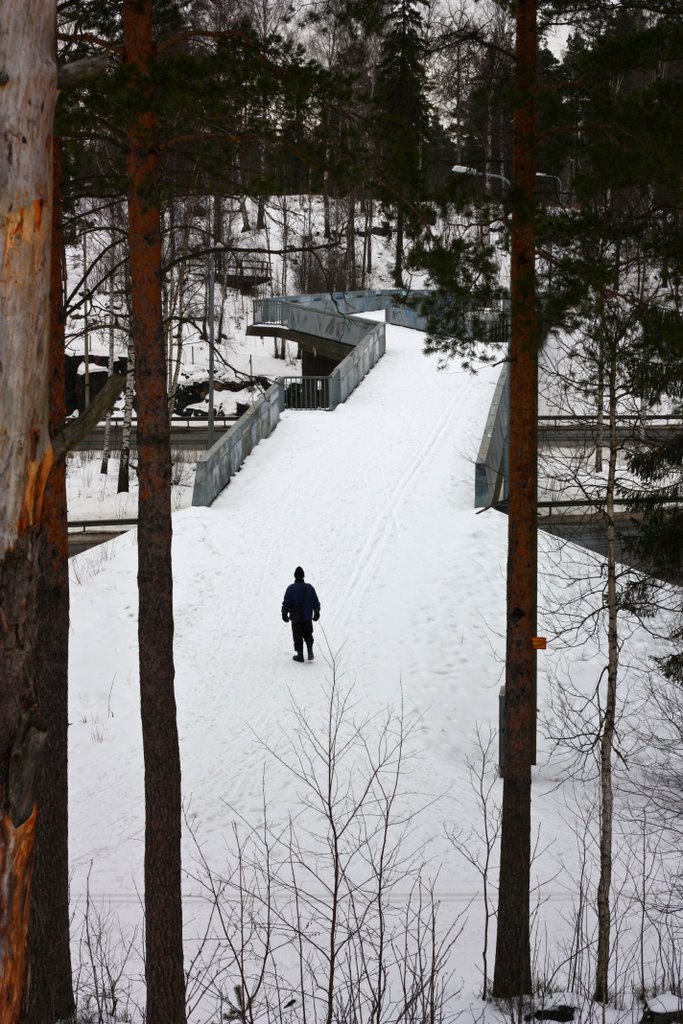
{"x":512,"y":973}
{"x":402,"y":115}
{"x":163,"y":902}
{"x":49,"y":993}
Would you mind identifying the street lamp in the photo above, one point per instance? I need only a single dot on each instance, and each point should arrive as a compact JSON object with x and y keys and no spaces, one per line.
{"x":461,"y":169}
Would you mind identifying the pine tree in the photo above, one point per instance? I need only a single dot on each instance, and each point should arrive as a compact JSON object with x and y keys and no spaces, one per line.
{"x":163,"y":808}
{"x":402,"y":112}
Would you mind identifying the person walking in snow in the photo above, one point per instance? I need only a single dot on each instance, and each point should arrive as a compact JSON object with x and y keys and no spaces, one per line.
{"x":301,"y":607}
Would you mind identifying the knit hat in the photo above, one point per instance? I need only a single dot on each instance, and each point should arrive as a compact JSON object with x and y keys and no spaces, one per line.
{"x":298,"y":573}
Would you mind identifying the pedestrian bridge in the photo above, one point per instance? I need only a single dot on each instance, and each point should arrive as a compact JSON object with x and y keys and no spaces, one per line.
{"x":338,"y":350}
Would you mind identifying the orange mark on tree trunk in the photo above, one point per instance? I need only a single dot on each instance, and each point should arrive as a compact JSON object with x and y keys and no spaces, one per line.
{"x":13,"y":232}
{"x":37,"y":213}
{"x":34,"y":493}
{"x":22,"y":226}
{"x":16,"y":867}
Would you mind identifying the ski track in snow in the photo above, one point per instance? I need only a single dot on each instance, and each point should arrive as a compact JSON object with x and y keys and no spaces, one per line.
{"x":369,"y":500}
{"x":375,"y":501}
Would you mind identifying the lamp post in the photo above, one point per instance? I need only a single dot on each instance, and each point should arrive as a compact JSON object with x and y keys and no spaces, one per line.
{"x":461,"y":169}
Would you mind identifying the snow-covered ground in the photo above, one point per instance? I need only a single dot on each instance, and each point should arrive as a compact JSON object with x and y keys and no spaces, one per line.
{"x":375,"y":501}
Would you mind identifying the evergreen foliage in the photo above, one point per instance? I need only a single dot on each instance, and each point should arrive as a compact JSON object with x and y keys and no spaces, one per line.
{"x":401,"y":104}
{"x":220,"y":94}
{"x":402,"y":117}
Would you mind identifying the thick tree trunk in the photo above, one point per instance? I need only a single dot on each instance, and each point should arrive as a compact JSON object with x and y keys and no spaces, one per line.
{"x":49,"y":995}
{"x":27,"y":98}
{"x":512,"y":975}
{"x":163,"y":902}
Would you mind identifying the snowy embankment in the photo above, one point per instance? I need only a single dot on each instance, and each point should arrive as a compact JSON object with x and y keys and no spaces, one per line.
{"x":375,"y":502}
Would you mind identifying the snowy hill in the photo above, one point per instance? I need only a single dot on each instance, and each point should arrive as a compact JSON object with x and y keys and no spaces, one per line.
{"x":375,"y":502}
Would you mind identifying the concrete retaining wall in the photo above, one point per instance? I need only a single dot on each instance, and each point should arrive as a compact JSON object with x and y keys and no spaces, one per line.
{"x":490,"y":471}
{"x":224,"y":458}
{"x":346,"y":377}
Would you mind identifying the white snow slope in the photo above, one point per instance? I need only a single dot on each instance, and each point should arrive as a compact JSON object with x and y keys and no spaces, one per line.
{"x":375,"y":502}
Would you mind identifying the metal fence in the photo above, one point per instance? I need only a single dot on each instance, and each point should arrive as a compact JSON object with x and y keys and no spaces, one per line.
{"x":394,"y":301}
{"x":402,"y":308}
{"x":309,"y":318}
{"x":223,"y":460}
{"x":306,"y":392}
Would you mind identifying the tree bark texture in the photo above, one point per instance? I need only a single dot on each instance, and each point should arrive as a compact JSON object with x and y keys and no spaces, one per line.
{"x":512,"y":974}
{"x":163,"y":904}
{"x":28,"y":90}
{"x":49,"y":994}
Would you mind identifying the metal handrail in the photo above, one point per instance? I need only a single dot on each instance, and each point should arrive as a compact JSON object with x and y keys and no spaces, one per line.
{"x":590,"y":418}
{"x":86,"y":524}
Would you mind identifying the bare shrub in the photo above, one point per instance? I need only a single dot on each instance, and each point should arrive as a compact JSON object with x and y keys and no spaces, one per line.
{"x":328,"y":916}
{"x":103,"y":985}
{"x":477,"y":845}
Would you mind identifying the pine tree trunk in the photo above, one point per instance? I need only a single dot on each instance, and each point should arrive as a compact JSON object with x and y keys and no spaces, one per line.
{"x":163,"y":899}
{"x":27,"y":101}
{"x":608,"y":724}
{"x":49,"y":994}
{"x":512,"y":974}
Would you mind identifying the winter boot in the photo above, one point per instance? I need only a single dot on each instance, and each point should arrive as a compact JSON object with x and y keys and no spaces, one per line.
{"x":298,"y":657}
{"x":310,"y":653}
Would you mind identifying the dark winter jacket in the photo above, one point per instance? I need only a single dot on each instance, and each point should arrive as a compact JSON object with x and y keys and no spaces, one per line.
{"x":300,"y":602}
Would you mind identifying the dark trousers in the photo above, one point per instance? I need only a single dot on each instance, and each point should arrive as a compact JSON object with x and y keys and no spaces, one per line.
{"x":302,"y":631}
